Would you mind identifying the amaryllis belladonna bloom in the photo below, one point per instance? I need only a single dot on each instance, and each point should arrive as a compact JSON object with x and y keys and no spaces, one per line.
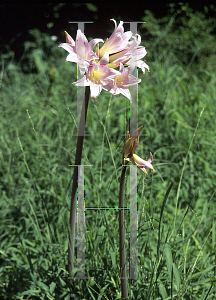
{"x":98,"y":68}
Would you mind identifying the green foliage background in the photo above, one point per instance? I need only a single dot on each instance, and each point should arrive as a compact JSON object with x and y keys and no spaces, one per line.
{"x":176,"y":204}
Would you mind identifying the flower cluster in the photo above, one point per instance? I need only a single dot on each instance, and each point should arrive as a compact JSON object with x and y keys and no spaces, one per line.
{"x":128,"y":152}
{"x":99,"y":68}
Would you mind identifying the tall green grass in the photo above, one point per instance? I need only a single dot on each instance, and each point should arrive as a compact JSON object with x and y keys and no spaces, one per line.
{"x":176,"y":205}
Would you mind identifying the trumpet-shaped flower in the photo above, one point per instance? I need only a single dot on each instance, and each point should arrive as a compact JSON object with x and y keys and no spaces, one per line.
{"x":117,"y":41}
{"x":98,"y":76}
{"x":137,"y":52}
{"x":122,"y":82}
{"x":98,"y":69}
{"x":132,"y":55}
{"x":121,"y":50}
{"x":140,"y":163}
{"x":80,"y":52}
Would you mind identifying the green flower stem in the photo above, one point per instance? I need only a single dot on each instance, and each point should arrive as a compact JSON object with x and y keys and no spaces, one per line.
{"x":75,"y":181}
{"x":124,"y":289}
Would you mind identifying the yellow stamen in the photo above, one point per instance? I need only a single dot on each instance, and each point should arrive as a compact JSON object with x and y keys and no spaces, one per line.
{"x":96,"y":76}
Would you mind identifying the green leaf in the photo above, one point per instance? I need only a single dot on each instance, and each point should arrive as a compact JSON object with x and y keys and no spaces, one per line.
{"x":62,"y":281}
{"x":29,"y":292}
{"x":102,"y":290}
{"x":52,"y":287}
{"x":43,"y":286}
{"x":163,"y":291}
{"x":91,"y":293}
{"x":99,"y":237}
{"x":113,"y":257}
{"x":177,"y":276}
{"x":169,"y":260}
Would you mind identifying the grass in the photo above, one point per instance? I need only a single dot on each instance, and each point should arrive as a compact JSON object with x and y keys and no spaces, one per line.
{"x":176,"y":205}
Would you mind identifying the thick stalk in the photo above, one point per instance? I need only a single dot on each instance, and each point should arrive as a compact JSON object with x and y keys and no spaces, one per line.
{"x":78,"y":157}
{"x":124,"y":289}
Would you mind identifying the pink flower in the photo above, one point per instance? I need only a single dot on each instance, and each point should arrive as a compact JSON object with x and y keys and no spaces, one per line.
{"x":142,"y":164}
{"x":132,"y":55}
{"x":117,"y":41}
{"x":121,"y":50}
{"x":98,"y":76}
{"x":122,"y":82}
{"x":98,"y":69}
{"x":137,"y":52}
{"x":81,"y":52}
